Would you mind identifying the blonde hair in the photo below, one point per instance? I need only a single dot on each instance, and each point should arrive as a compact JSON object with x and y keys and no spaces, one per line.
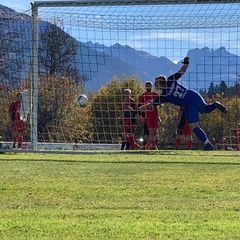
{"x":127,"y":90}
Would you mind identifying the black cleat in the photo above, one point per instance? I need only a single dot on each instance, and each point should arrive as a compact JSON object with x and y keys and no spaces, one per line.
{"x":221,"y":107}
{"x":208,"y":147}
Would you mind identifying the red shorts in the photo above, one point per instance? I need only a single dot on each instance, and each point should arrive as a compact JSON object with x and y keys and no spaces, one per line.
{"x":152,"y":122}
{"x":19,"y":127}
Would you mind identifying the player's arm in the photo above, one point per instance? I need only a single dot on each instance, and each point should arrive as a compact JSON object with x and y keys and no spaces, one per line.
{"x":140,"y":103}
{"x":182,"y":70}
{"x":150,"y":104}
{"x":132,"y":106}
{"x":145,"y":106}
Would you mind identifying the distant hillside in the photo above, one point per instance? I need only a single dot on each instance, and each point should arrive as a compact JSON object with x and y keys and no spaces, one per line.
{"x":101,"y":63}
{"x":206,"y":65}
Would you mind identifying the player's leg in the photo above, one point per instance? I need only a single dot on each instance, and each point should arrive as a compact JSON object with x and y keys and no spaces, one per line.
{"x":20,"y":141}
{"x":14,"y":134}
{"x":216,"y":105}
{"x":196,"y":99}
{"x":208,"y":108}
{"x":123,"y":145}
{"x":152,"y":125}
{"x":189,"y":141}
{"x":21,"y":132}
{"x":152,"y":143}
{"x":145,"y":134}
{"x":15,"y":139}
{"x":178,"y":138}
{"x":201,"y":135}
{"x":126,"y":130}
{"x":193,"y":120}
{"x":179,"y":131}
{"x":130,"y":135}
{"x":127,"y":146}
{"x":187,"y":132}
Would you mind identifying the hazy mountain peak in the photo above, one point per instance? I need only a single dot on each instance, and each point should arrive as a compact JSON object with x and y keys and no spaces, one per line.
{"x":6,"y":12}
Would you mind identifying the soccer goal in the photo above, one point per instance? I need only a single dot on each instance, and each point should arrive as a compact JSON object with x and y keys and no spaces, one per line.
{"x":99,"y":48}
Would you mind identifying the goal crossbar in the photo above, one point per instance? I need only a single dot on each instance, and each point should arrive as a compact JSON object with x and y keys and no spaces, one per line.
{"x":125,"y":2}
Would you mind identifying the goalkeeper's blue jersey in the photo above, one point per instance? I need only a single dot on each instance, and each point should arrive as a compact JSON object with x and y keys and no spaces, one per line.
{"x":174,"y":93}
{"x":177,"y":94}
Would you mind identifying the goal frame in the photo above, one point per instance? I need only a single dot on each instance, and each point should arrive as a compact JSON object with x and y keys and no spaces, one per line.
{"x":34,"y":52}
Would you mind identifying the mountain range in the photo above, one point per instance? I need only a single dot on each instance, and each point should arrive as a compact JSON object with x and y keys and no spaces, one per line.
{"x":101,"y":63}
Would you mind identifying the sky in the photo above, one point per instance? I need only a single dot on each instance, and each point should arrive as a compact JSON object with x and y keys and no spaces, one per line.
{"x":173,"y":44}
{"x":18,"y":5}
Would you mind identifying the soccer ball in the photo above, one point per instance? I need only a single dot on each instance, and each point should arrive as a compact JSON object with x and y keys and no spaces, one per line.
{"x":82,"y":100}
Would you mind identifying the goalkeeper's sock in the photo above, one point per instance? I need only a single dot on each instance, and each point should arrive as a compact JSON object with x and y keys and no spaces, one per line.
{"x":201,"y":135}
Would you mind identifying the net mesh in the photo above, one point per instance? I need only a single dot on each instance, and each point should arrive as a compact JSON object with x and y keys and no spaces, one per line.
{"x":101,"y":49}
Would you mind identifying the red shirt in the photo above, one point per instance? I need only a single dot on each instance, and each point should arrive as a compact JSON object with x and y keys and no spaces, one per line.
{"x":129,"y":102}
{"x":145,"y":98}
{"x":14,"y":111}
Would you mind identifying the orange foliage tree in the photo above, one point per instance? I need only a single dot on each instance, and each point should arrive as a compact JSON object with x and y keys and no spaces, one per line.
{"x":107,"y":108}
{"x":60,"y":119}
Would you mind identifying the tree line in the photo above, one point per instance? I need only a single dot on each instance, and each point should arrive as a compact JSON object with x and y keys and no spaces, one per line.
{"x":60,"y":119}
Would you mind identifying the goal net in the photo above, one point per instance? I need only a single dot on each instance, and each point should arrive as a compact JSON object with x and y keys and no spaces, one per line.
{"x":99,"y":48}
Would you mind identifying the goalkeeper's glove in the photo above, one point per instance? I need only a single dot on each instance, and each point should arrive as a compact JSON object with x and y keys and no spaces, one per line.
{"x":185,"y":60}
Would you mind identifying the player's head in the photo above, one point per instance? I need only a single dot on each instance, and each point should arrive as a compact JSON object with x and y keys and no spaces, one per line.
{"x":127,"y":92}
{"x":19,"y":96}
{"x":160,"y":83}
{"x":148,"y":86}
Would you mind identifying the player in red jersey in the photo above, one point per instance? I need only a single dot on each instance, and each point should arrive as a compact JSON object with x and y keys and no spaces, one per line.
{"x":129,"y":119}
{"x":150,"y":115}
{"x":18,"y":125}
{"x":183,"y":130}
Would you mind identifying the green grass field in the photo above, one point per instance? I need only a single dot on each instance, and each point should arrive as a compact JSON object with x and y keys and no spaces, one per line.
{"x":120,"y":195}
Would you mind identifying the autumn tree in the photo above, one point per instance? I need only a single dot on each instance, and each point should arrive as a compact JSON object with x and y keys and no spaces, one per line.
{"x":58,"y":55}
{"x":107,"y":108}
{"x":60,"y":119}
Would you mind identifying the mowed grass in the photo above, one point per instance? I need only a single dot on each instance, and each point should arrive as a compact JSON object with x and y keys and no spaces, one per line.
{"x":120,"y":195}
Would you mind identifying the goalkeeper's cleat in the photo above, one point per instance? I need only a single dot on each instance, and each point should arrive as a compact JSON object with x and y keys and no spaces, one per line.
{"x":208,"y":147}
{"x":220,"y":106}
